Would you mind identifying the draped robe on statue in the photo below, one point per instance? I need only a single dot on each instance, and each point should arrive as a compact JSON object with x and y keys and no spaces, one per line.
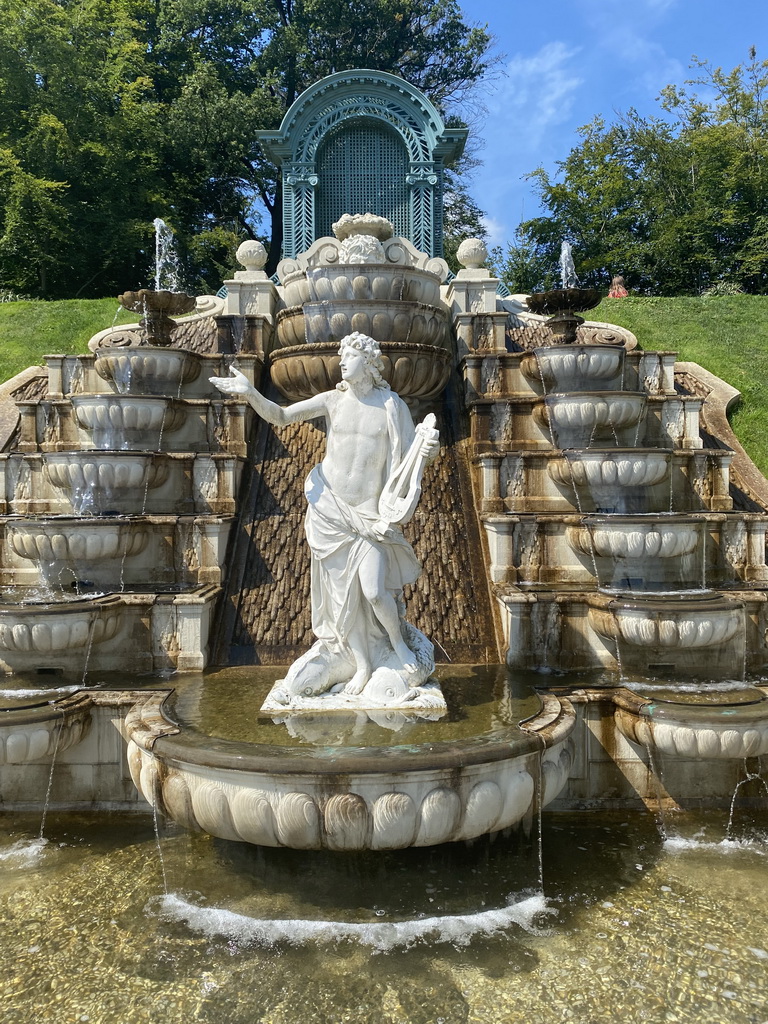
{"x":339,"y":537}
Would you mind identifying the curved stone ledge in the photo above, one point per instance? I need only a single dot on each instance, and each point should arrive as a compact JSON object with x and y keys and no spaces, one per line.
{"x":35,"y":734}
{"x":720,"y":732}
{"x":366,"y":798}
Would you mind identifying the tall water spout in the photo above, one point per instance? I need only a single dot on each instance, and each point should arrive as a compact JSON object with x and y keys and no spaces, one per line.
{"x":166,"y":258}
{"x":567,"y":268}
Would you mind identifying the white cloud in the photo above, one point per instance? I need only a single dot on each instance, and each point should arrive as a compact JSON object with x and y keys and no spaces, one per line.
{"x":537,"y":91}
{"x":498,"y":231}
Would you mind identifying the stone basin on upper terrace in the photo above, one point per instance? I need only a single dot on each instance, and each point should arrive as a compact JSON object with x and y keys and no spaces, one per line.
{"x":579,"y":419}
{"x":147,"y":369}
{"x":101,"y":482}
{"x":111,"y":421}
{"x":575,"y":367}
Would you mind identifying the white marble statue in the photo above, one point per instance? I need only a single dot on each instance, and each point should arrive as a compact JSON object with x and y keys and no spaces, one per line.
{"x":367,"y":485}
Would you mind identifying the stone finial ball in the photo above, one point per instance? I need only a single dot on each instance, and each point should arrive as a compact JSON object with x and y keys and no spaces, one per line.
{"x":252,"y":255}
{"x":472,"y":253}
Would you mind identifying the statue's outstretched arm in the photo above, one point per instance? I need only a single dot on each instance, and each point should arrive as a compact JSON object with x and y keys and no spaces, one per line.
{"x":238,"y":384}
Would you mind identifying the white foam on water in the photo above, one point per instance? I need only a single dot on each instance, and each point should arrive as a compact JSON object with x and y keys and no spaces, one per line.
{"x":459,"y":929}
{"x":24,"y":853}
{"x":50,"y":693}
{"x":676,"y":844}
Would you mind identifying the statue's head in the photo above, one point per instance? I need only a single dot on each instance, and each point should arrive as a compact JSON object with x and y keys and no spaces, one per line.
{"x":371,"y":352}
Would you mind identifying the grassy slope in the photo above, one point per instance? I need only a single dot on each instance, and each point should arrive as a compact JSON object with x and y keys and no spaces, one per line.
{"x":30,"y":330}
{"x":727,"y":335}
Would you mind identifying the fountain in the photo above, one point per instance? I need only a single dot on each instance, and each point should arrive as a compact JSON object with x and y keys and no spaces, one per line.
{"x":591,"y":608}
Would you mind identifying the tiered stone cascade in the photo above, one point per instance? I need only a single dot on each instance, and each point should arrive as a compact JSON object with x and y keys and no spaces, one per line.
{"x":608,"y":523}
{"x":116,"y":510}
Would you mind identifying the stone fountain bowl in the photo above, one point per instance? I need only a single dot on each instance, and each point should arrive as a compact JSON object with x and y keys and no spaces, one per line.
{"x":110,"y":481}
{"x":611,"y":469}
{"x":147,"y":300}
{"x":413,"y":371}
{"x":563,"y":300}
{"x":78,"y":542}
{"x":576,"y":420}
{"x":622,"y":480}
{"x":574,"y":367}
{"x":147,"y":370}
{"x":715,"y":731}
{"x":384,"y":320}
{"x":636,"y":537}
{"x":364,"y":798}
{"x":45,"y":627}
{"x":127,"y":421}
{"x":668,"y":622}
{"x":379,"y":282}
{"x":32,"y":734}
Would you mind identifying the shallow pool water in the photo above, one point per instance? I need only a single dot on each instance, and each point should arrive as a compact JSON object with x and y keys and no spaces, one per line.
{"x":104,"y":924}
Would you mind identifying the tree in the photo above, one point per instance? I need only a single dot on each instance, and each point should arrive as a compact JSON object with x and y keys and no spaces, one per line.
{"x":676,"y":206}
{"x":267,"y":62}
{"x":114,"y":112}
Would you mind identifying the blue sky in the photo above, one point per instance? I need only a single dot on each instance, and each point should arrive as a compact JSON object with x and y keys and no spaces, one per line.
{"x":567,"y":60}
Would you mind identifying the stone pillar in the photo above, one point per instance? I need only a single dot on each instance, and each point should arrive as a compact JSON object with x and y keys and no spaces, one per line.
{"x":472,"y":296}
{"x":691,"y":432}
{"x":721,"y":500}
{"x":756,"y":568}
{"x":490,"y":494}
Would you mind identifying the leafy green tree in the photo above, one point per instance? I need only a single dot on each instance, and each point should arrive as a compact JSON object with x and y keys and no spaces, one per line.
{"x":268,"y":53}
{"x":677,"y":206}
{"x":114,"y":112}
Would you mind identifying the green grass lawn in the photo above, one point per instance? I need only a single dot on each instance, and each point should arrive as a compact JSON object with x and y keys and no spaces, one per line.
{"x":30,"y":330}
{"x":727,"y":335}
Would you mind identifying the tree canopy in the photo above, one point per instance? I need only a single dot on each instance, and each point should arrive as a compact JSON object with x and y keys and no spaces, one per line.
{"x":114,"y":112}
{"x":678,"y":204}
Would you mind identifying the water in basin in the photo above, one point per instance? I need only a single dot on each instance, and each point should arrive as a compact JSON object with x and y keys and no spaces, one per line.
{"x":626,"y":927}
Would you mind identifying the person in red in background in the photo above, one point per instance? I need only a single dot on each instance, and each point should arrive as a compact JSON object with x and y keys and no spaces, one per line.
{"x":618,"y":290}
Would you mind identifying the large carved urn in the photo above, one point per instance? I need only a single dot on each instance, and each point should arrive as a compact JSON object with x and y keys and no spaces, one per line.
{"x":364,"y":280}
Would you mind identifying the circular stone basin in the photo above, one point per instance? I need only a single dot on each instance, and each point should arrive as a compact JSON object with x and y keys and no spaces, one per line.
{"x":127,"y":421}
{"x":341,"y":782}
{"x":385,"y":321}
{"x":104,"y":482}
{"x":611,"y":469}
{"x":574,"y":367}
{"x":578,"y":419}
{"x":669,"y":622}
{"x":362,"y":283}
{"x":720,"y":731}
{"x":51,"y":628}
{"x":147,"y":370}
{"x":412,"y":371}
{"x":75,"y":541}
{"x":636,"y":537}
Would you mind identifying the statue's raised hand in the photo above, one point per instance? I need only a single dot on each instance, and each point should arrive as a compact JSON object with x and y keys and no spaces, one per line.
{"x":236,"y":384}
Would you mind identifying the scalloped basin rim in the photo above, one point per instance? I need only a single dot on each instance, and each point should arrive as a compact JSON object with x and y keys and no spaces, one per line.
{"x":187,"y":747}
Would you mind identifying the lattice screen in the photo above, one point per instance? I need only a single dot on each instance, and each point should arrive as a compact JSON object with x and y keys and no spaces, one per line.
{"x":362,"y":169}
